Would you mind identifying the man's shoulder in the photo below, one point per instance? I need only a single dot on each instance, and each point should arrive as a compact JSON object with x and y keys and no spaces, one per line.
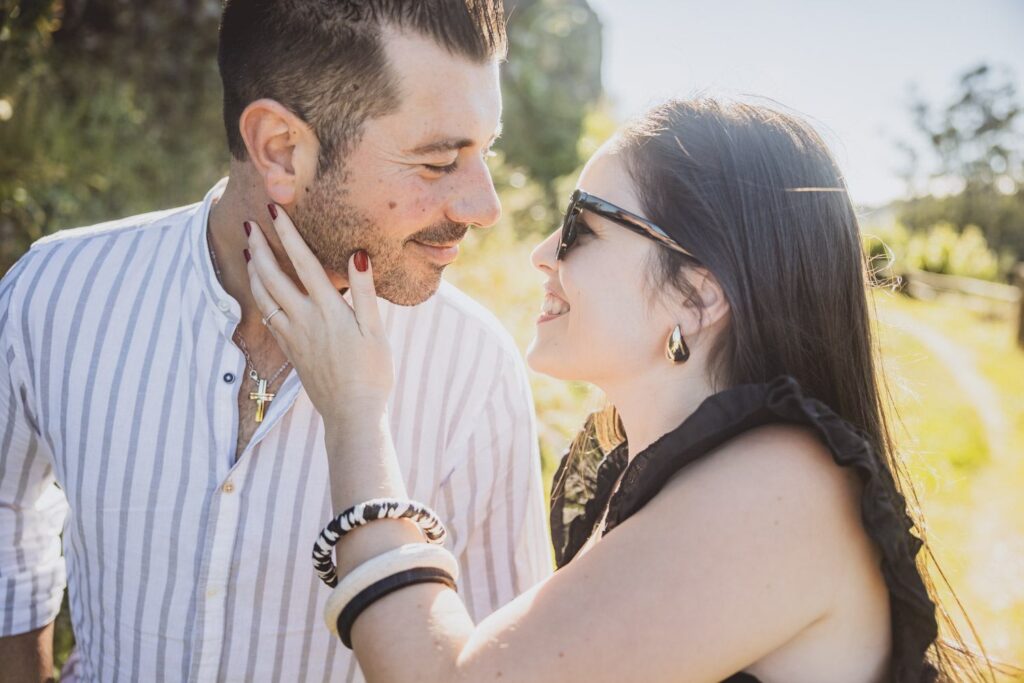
{"x":39,"y":270}
{"x":121,"y":227}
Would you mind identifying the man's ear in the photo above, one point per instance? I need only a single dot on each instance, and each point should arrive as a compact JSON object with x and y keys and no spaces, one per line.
{"x":282,"y":148}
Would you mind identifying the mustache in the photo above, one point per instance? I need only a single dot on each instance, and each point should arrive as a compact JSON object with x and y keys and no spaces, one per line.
{"x":441,"y":233}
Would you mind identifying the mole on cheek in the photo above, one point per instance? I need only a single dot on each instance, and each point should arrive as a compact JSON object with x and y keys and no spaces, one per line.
{"x":392,"y":205}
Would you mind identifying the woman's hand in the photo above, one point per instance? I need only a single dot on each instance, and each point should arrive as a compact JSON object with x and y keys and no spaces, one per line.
{"x":343,"y":358}
{"x":340,"y":352}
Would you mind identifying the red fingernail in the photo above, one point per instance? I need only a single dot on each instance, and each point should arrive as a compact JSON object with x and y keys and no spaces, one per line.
{"x":248,"y":256}
{"x":248,"y":228}
{"x":362,"y":261}
{"x":273,"y":211}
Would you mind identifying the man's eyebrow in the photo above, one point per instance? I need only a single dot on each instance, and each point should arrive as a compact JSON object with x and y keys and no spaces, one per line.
{"x":449,"y":145}
{"x":445,"y":145}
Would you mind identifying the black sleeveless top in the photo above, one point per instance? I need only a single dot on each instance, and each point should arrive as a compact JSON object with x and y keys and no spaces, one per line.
{"x":582,"y":493}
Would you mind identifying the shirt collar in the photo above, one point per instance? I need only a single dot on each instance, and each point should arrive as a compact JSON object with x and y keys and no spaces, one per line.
{"x":225,"y":308}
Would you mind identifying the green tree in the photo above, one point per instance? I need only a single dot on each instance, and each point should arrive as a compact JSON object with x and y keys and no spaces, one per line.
{"x":551,"y":82}
{"x":107,"y":108}
{"x":975,"y":151}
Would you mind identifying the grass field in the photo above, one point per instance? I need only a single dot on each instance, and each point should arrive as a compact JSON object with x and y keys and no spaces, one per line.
{"x":960,"y":389}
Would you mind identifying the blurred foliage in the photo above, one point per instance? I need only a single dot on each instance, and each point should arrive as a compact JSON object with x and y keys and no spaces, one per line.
{"x":533,"y":208}
{"x":551,"y":82}
{"x":941,"y":248}
{"x":107,"y":109}
{"x":975,"y":155}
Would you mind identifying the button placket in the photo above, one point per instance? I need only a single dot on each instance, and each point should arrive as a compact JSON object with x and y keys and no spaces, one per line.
{"x":225,"y":537}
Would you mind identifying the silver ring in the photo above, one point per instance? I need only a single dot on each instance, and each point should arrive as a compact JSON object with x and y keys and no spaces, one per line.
{"x":266,"y":321}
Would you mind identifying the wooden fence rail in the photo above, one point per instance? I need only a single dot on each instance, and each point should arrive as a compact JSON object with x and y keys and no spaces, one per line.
{"x":1007,"y":298}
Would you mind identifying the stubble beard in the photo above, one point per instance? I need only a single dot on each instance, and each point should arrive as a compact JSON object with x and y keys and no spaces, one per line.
{"x":334,"y":229}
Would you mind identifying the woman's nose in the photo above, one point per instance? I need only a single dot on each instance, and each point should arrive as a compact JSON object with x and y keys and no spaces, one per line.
{"x":543,"y":256}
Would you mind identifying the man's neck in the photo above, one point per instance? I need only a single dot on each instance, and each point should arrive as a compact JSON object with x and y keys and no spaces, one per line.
{"x":227,"y":240}
{"x":245,"y":200}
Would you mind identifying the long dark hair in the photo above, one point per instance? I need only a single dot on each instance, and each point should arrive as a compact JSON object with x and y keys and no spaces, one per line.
{"x":755,"y":194}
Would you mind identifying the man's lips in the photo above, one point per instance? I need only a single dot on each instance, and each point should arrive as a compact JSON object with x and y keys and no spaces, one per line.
{"x":442,"y":254}
{"x":439,"y":245}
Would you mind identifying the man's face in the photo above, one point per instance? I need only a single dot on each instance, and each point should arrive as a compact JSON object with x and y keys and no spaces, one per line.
{"x":417,"y":180}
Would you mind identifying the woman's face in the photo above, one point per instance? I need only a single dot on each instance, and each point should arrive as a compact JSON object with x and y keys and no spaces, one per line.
{"x":599,"y":322}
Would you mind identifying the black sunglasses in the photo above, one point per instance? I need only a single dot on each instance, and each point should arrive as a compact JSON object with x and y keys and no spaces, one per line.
{"x":582,"y":201}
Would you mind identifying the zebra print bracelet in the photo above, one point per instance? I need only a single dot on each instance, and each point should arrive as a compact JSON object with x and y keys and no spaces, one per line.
{"x":363,"y":513}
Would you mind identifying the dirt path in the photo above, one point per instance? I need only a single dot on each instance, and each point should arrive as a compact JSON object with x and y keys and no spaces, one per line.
{"x":995,"y":530}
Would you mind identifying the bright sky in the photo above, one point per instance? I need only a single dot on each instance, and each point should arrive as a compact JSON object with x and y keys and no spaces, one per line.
{"x":846,"y":65}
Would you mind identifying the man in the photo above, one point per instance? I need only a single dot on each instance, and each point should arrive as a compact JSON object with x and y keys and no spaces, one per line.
{"x":142,"y":381}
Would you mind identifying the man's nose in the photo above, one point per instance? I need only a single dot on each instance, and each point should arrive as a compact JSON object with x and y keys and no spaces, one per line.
{"x":476,"y":201}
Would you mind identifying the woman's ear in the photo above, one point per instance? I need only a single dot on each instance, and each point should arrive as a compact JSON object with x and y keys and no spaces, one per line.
{"x":282,"y":148}
{"x":714,"y":306}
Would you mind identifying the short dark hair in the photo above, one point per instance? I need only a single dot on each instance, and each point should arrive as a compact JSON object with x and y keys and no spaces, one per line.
{"x":325,"y":61}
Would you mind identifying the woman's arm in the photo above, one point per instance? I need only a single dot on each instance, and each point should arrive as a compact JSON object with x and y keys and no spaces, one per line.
{"x":735,"y":557}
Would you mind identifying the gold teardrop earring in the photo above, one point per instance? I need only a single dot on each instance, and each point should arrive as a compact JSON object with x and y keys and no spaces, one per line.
{"x":676,"y":349}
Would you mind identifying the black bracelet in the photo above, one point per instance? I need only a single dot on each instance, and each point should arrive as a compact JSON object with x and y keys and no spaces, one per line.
{"x":358,"y":604}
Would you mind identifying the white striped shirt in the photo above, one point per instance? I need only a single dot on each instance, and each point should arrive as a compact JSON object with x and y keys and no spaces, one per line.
{"x":121,"y":388}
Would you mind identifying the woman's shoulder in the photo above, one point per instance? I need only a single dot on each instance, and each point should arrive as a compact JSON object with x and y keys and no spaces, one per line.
{"x":773,"y":452}
{"x":772,"y":498}
{"x":775,"y":422}
{"x":791,"y":459}
{"x":760,"y":541}
{"x":786,"y":473}
{"x":770,"y":476}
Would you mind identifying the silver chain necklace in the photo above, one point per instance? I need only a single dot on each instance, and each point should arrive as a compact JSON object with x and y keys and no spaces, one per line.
{"x":261,"y":395}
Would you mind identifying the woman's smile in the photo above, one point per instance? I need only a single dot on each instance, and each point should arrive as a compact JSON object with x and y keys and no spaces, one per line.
{"x":552,"y":307}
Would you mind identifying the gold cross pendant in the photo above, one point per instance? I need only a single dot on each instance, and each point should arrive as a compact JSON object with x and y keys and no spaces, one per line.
{"x":262,"y":398}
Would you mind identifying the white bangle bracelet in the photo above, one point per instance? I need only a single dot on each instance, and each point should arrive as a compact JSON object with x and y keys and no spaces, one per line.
{"x":403,"y":558}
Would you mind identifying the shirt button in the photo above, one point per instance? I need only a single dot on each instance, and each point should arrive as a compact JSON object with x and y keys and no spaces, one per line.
{"x":228,"y":487}
{"x":228,"y":377}
{"x":224,"y":305}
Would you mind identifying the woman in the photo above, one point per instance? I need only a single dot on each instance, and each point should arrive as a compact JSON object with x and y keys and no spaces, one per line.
{"x":708,"y":277}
